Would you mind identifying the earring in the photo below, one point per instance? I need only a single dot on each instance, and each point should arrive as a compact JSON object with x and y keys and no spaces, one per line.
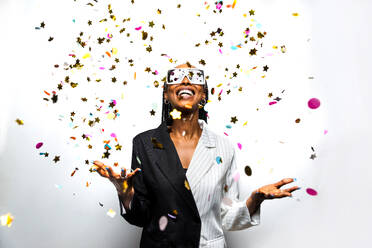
{"x":166,"y":101}
{"x":203,"y":102}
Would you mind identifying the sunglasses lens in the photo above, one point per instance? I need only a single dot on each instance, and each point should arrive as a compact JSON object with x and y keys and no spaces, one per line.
{"x":175,"y":76}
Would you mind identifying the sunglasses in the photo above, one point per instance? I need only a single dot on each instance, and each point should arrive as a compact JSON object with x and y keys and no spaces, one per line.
{"x":176,"y":75}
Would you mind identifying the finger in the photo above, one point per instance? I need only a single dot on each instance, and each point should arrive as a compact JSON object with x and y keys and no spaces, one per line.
{"x":133,"y":172}
{"x":99,"y":164}
{"x":283,"y":182}
{"x":112,"y":173}
{"x":292,"y":189}
{"x":123,"y":172}
{"x":102,"y":172}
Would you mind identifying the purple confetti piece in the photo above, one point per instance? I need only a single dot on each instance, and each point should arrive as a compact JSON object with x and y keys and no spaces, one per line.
{"x":313,"y":103}
{"x":38,"y":145}
{"x":240,"y":146}
{"x":311,"y":191}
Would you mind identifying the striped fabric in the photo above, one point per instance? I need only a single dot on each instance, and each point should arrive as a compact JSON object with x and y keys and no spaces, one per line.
{"x":218,"y":209}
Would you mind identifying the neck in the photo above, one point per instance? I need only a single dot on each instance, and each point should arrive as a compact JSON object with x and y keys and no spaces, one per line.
{"x":187,"y":127}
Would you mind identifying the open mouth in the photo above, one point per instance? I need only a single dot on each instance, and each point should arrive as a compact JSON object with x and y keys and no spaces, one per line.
{"x":185,"y":92}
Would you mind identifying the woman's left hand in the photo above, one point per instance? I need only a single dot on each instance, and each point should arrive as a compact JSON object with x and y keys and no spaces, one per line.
{"x":272,"y":191}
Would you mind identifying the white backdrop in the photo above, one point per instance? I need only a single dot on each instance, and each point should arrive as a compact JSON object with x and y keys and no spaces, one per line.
{"x":322,"y":52}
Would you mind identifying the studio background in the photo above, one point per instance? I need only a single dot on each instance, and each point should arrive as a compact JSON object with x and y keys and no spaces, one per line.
{"x":322,"y":51}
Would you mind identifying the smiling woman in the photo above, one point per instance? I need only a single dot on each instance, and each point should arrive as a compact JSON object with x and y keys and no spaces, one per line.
{"x":177,"y":191}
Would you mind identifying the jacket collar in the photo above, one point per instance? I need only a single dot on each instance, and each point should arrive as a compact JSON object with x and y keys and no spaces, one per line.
{"x":170,"y":165}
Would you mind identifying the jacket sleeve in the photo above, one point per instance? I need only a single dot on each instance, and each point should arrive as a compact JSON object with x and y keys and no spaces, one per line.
{"x":139,"y":212}
{"x":234,"y":213}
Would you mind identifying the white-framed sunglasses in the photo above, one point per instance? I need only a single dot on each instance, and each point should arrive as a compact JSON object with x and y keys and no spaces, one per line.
{"x":176,"y":75}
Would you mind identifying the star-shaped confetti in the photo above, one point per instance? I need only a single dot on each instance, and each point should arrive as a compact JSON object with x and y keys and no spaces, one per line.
{"x":175,"y":114}
{"x":56,"y":159}
{"x":234,"y":119}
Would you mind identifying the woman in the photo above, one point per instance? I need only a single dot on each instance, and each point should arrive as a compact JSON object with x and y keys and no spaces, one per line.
{"x":181,"y":190}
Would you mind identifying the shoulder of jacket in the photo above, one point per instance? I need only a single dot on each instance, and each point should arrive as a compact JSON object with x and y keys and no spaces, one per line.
{"x":142,"y":136}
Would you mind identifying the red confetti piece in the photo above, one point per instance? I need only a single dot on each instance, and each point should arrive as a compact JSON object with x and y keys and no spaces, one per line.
{"x":47,"y":93}
{"x":73,"y":138}
{"x":138,"y":28}
{"x":108,"y":54}
{"x":271,"y":103}
{"x":226,"y":134}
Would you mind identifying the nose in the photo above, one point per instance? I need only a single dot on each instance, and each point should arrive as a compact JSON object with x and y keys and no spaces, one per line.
{"x":186,"y":80}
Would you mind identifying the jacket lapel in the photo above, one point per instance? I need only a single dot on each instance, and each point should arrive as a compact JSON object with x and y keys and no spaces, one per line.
{"x":170,"y":165}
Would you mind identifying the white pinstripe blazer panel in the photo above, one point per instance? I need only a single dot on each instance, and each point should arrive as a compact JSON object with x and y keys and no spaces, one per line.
{"x":207,"y":180}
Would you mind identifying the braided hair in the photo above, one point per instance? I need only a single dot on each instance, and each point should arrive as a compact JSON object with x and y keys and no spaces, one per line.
{"x":167,"y":108}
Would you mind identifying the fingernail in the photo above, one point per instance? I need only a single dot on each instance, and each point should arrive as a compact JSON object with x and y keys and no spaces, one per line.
{"x":139,"y":169}
{"x":94,"y":170}
{"x":107,"y":168}
{"x":294,"y":179}
{"x":299,"y":188}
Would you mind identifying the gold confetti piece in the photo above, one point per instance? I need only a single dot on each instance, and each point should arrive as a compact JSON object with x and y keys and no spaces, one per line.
{"x":275,"y":47}
{"x":122,"y":95}
{"x":125,"y":186}
{"x":245,"y":123}
{"x":114,"y":50}
{"x":6,"y":220}
{"x":233,"y":5}
{"x":19,"y":122}
{"x":188,"y":106}
{"x":187,"y":184}
{"x":87,"y":55}
{"x":295,"y":14}
{"x":218,"y":85}
{"x":134,"y":75}
{"x":175,"y":211}
{"x":175,"y":114}
{"x":111,"y":213}
{"x":156,"y":144}
{"x":110,"y":116}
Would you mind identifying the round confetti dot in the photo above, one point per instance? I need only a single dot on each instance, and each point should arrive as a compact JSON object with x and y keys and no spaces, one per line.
{"x":38,"y":145}
{"x":248,"y":170}
{"x":227,"y":201}
{"x":163,"y":221}
{"x":313,"y":103}
{"x":311,"y":191}
{"x":298,"y":120}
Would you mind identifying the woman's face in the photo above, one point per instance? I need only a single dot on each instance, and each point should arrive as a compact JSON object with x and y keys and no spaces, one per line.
{"x":185,"y":102}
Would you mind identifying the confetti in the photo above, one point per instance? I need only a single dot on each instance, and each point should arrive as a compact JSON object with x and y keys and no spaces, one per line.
{"x":325,"y":131}
{"x":313,"y":103}
{"x":218,"y":159}
{"x":175,"y":114}
{"x":163,"y":221}
{"x":38,"y":145}
{"x":248,"y":170}
{"x":240,"y":146}
{"x":311,"y":191}
{"x":111,"y":213}
{"x":156,"y":144}
{"x":236,"y":176}
{"x":187,"y":184}
{"x":6,"y":220}
{"x":19,"y":122}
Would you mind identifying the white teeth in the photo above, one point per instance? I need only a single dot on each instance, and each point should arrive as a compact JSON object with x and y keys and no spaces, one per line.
{"x":189,"y":92}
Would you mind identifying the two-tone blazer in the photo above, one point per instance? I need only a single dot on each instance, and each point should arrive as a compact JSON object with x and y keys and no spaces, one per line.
{"x":197,"y":204}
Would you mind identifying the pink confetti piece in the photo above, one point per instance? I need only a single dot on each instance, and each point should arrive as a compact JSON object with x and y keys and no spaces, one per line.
{"x":236,"y":176}
{"x":313,"y":103}
{"x":271,"y":103}
{"x":107,"y":112}
{"x":113,"y":135}
{"x":311,"y":191}
{"x":88,"y":135}
{"x":109,"y":36}
{"x":220,"y":92}
{"x":138,"y":28}
{"x":218,"y":6}
{"x":226,"y":134}
{"x":71,"y":54}
{"x":114,"y":101}
{"x":247,"y":31}
{"x":220,"y":51}
{"x":269,"y":54}
{"x":240,"y":146}
{"x":101,"y":68}
{"x":325,"y":131}
{"x":156,"y":72}
{"x":38,"y":145}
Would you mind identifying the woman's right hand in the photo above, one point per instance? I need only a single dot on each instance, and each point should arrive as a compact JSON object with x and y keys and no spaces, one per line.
{"x":122,"y":182}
